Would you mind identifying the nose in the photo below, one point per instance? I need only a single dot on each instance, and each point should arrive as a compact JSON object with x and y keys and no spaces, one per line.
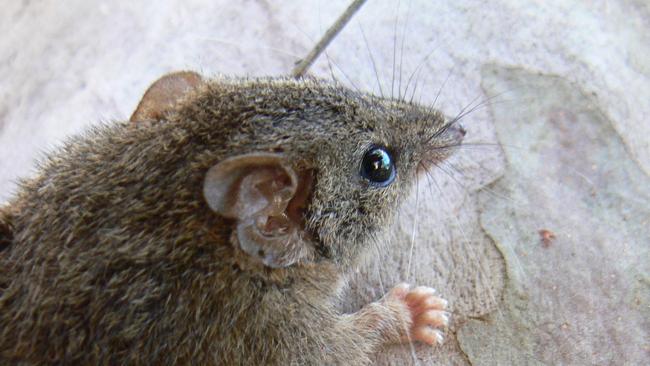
{"x":457,"y":132}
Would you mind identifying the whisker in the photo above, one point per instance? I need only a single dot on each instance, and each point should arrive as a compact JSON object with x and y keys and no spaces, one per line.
{"x":416,"y":74}
{"x":379,"y":277}
{"x":327,"y":56}
{"x":372,"y":60}
{"x":345,"y":75}
{"x":468,"y":105}
{"x":415,"y":225}
{"x":435,"y":100}
{"x":467,"y":242}
{"x":329,"y":66}
{"x":392,"y":83}
{"x":429,"y":176}
{"x":415,"y":87}
{"x":401,"y":54}
{"x":440,"y":131}
{"x":476,"y":145}
{"x":486,"y":189}
{"x":303,"y":65}
{"x":464,"y":187}
{"x":331,"y":61}
{"x":486,"y":102}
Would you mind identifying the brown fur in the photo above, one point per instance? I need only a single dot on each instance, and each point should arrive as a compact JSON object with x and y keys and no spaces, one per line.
{"x":111,"y":255}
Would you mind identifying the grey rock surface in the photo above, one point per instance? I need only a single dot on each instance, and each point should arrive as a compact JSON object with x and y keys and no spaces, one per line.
{"x":567,"y":150}
{"x":580,"y":295}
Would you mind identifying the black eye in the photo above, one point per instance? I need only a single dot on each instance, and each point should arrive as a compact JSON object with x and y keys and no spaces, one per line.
{"x":377,"y":166}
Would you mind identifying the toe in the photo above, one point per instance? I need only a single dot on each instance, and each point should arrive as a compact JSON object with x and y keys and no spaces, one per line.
{"x":400,"y":291}
{"x":419,"y":294}
{"x":432,"y":303}
{"x":428,"y":335}
{"x":434,"y":318}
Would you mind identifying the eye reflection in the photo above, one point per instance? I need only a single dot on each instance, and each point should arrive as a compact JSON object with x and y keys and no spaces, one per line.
{"x":378,"y":167}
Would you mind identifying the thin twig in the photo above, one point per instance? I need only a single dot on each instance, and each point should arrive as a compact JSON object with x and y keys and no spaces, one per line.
{"x":304,"y":64}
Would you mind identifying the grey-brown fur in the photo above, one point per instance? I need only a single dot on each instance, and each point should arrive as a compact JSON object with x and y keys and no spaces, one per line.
{"x":111,"y":255}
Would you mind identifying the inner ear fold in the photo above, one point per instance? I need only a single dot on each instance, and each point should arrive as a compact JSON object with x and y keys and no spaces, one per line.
{"x":163,"y":95}
{"x":250,"y":184}
{"x":266,"y":198}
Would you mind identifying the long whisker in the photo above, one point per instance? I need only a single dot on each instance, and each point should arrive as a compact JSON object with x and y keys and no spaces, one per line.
{"x":401,"y":52}
{"x":329,"y":35}
{"x":327,"y":56}
{"x":415,"y":88}
{"x":446,"y":163}
{"x":468,"y":243}
{"x":485,"y":102}
{"x":411,"y":351}
{"x":379,"y":277}
{"x":415,"y":74}
{"x":425,"y":168}
{"x":464,"y":112}
{"x":464,"y":145}
{"x":435,"y":100}
{"x":329,"y":67}
{"x":392,"y":83}
{"x":464,"y":187}
{"x":467,"y":106}
{"x":345,"y":75}
{"x":372,"y":60}
{"x":413,"y":231}
{"x":331,"y":61}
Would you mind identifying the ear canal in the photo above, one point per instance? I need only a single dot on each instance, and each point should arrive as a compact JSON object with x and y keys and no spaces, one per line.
{"x":260,"y":192}
{"x":275,"y":250}
{"x":164,"y":94}
{"x":243,"y":185}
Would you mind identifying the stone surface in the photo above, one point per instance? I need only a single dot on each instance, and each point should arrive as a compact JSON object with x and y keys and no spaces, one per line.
{"x":581,"y":294}
{"x":575,"y":158}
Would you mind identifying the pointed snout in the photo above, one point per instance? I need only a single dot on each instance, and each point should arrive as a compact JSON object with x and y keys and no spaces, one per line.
{"x":456,"y":133}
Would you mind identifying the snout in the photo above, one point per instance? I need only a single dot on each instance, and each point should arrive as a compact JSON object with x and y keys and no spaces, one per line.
{"x":456,"y":133}
{"x":444,"y":144}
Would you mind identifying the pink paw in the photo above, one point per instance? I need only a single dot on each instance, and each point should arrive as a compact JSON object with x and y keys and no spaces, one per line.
{"x":426,"y":311}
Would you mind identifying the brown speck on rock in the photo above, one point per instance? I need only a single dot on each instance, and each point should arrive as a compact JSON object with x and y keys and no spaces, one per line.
{"x":547,"y":237}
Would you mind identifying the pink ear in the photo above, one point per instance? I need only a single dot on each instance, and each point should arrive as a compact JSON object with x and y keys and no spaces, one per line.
{"x":163,"y":95}
{"x":261,"y":191}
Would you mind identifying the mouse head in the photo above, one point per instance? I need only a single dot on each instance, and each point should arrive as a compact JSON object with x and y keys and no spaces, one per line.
{"x":304,"y":169}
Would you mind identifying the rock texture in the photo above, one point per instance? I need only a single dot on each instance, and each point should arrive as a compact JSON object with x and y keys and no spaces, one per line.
{"x":559,"y":140}
{"x":580,"y":294}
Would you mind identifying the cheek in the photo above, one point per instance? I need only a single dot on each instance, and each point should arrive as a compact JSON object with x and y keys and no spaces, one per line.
{"x":378,"y":206}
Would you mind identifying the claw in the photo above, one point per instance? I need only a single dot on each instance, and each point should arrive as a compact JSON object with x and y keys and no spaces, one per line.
{"x":426,"y":311}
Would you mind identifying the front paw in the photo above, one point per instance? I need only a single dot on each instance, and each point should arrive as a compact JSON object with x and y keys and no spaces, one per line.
{"x":423,"y":314}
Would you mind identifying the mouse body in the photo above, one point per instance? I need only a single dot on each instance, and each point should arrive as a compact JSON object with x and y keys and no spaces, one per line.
{"x":216,"y":227}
